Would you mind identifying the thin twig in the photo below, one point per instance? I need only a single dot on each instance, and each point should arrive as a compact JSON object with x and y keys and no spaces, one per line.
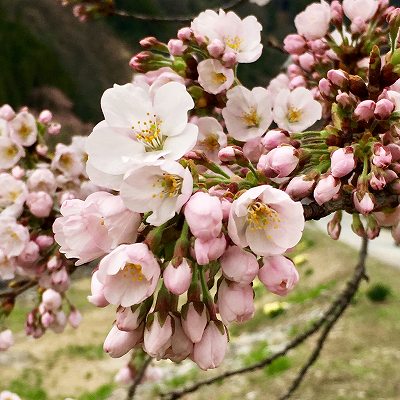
{"x":329,"y":314}
{"x":344,"y":303}
{"x":138,"y":379}
{"x":175,"y":18}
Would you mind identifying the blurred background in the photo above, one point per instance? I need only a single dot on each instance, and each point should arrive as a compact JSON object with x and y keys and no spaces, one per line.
{"x":48,"y":59}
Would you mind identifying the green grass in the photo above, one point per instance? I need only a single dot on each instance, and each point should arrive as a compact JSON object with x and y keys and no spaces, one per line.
{"x":29,"y":385}
{"x":102,"y":393}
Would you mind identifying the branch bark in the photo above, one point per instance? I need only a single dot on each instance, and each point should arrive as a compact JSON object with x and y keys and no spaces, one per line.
{"x":330,"y":316}
{"x":138,"y":379}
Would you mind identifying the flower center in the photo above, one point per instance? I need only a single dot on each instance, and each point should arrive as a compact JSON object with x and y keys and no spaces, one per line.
{"x":24,"y":131}
{"x":149,"y":133}
{"x":170,"y":186}
{"x":66,"y":161}
{"x":294,"y":114}
{"x":10,"y":151}
{"x":260,"y":216}
{"x":233,"y":42}
{"x":134,"y":272}
{"x":210,"y":143}
{"x":219,"y":78}
{"x":251,"y":118}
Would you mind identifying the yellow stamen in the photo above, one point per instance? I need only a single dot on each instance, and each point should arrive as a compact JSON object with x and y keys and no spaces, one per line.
{"x":134,"y":271}
{"x":24,"y":131}
{"x":210,"y":143}
{"x":149,"y":133}
{"x":251,"y":118}
{"x":260,"y":216}
{"x":294,"y":115}
{"x":10,"y":151}
{"x":170,"y":184}
{"x":219,"y":78}
{"x":233,"y":42}
{"x":66,"y":160}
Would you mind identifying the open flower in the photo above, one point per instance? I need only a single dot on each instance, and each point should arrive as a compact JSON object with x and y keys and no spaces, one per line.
{"x":23,"y":129}
{"x":162,"y":189}
{"x":247,"y":114}
{"x":267,"y":220}
{"x":13,"y":194}
{"x":212,"y":137}
{"x":13,"y":236}
{"x":364,"y":9}
{"x":313,"y":22}
{"x":7,"y":266}
{"x":10,"y":152}
{"x":129,"y":274}
{"x":296,"y":110}
{"x":214,"y":77}
{"x":139,"y":127}
{"x":67,"y":160}
{"x":241,"y":37}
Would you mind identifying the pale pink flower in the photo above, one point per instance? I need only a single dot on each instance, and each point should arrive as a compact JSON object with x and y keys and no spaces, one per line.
{"x":6,"y":340}
{"x":313,"y":22}
{"x":279,"y":162}
{"x":248,"y":113}
{"x":13,"y":237}
{"x":364,"y":9}
{"x":241,"y":37}
{"x":299,"y":188}
{"x":67,"y":160}
{"x":51,"y":300}
{"x":297,"y":110}
{"x":253,"y":149}
{"x":157,"y":78}
{"x":118,"y":343}
{"x":162,"y":188}
{"x":6,"y":112}
{"x":10,"y":152}
{"x":194,"y":320}
{"x":125,"y":376}
{"x":239,"y":265}
{"x":139,"y":126}
{"x":209,"y":250}
{"x":40,"y":204}
{"x":267,"y":220}
{"x":280,"y":82}
{"x":214,"y":77}
{"x":211,"y":137}
{"x":278,"y":274}
{"x":382,"y":156}
{"x":7,"y":266}
{"x":30,"y":254}
{"x":13,"y":194}
{"x":129,"y":274}
{"x":327,"y":188}
{"x":157,"y":334}
{"x":91,"y":228}
{"x":6,"y":395}
{"x":210,"y":351}
{"x":203,"y":214}
{"x":177,"y":279}
{"x":127,"y":320}
{"x":176,"y":47}
{"x":23,"y":129}
{"x":235,"y":302}
{"x":42,"y":179}
{"x":97,"y":289}
{"x":45,"y":117}
{"x":342,"y":162}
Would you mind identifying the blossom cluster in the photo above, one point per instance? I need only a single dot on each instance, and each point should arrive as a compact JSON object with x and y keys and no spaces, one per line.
{"x":34,"y":182}
{"x":210,"y":178}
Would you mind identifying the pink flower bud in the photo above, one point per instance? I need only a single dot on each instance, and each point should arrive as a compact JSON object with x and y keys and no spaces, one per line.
{"x":45,"y":117}
{"x":6,"y":340}
{"x":51,"y":300}
{"x":216,"y":48}
{"x":210,"y":351}
{"x":75,"y":318}
{"x":47,"y":319}
{"x":30,"y":254}
{"x":176,"y":47}
{"x":295,"y":44}
{"x":118,"y":343}
{"x":149,"y":42}
{"x":325,"y":87}
{"x":377,"y":181}
{"x":44,"y":241}
{"x":338,"y":78}
{"x":278,"y":274}
{"x":364,"y":202}
{"x":253,"y":149}
{"x":42,"y":149}
{"x":327,"y":188}
{"x":181,"y":345}
{"x":358,"y":25}
{"x":279,"y":162}
{"x":209,"y":250}
{"x":294,"y":70}
{"x":157,"y":334}
{"x":298,"y":81}
{"x":394,"y":151}
{"x":40,"y":204}
{"x":275,"y":138}
{"x":54,"y":129}
{"x":307,"y":61}
{"x":229,"y":59}
{"x":185,"y":33}
{"x":127,"y":320}
{"x":54,"y":263}
{"x":7,"y":112}
{"x":334,"y":228}
{"x":318,"y":46}
{"x":299,"y":188}
{"x":226,"y":208}
{"x":239,"y":265}
{"x":177,"y":279}
{"x":125,"y":376}
{"x":365,"y":110}
{"x":344,"y":100}
{"x":18,"y":172}
{"x":203,"y":213}
{"x":342,"y":162}
{"x":382,"y":156}
{"x":97,"y":297}
{"x":230,"y":153}
{"x":336,"y":12}
{"x":235,"y":302}
{"x":194,"y":319}
{"x":60,"y":279}
{"x":383,"y":109}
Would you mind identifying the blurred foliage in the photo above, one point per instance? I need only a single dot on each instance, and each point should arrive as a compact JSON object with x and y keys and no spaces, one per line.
{"x":378,"y":292}
{"x":29,"y":385}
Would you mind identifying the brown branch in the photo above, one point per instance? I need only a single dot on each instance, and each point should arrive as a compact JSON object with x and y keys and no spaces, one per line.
{"x":315,"y":211}
{"x":176,"y":18}
{"x":138,"y":379}
{"x":331,"y":314}
{"x":344,"y":303}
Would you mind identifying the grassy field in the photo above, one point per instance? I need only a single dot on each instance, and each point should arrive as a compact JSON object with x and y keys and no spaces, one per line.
{"x":360,"y":360}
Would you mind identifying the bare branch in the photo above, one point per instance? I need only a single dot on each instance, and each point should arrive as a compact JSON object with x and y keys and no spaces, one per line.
{"x":334,"y":311}
{"x":344,"y":303}
{"x":138,"y":379}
